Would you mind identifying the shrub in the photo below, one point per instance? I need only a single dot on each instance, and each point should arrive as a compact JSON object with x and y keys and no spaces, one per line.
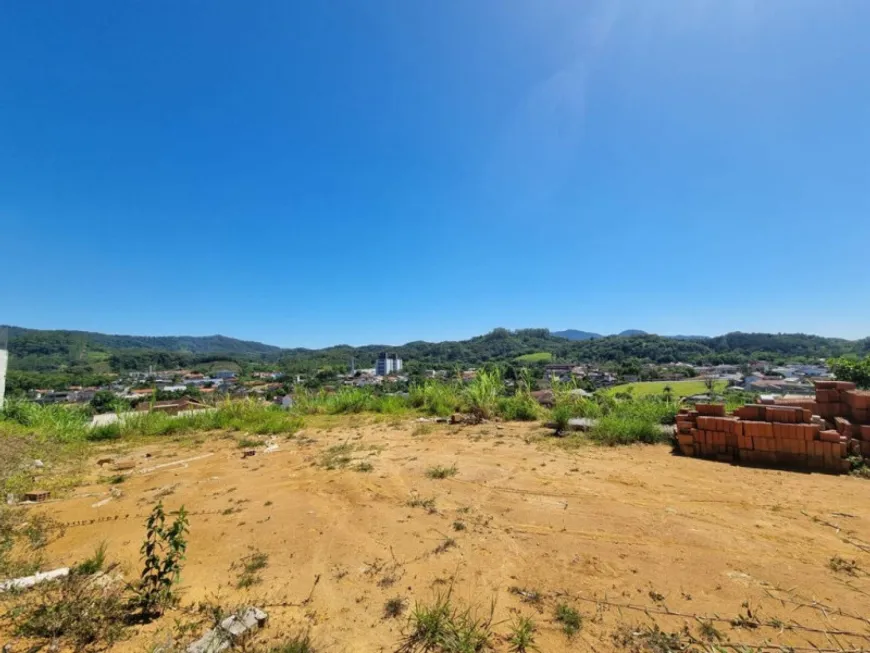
{"x":561,"y":415}
{"x":482,"y":394}
{"x":76,"y":608}
{"x":435,"y":398}
{"x":162,"y":553}
{"x":519,"y":408}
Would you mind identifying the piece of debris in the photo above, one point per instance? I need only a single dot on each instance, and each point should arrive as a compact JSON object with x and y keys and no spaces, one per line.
{"x":105,"y":461}
{"x":101,"y":503}
{"x":229,"y":631}
{"x":37,"y":496}
{"x":247,"y":453}
{"x":148,"y":470}
{"x":38,"y":464}
{"x":29,"y":581}
{"x":272,"y":447}
{"x":124,"y":465}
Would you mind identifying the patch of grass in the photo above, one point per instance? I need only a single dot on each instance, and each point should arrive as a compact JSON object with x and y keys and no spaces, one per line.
{"x":440,"y":472}
{"x":709,"y":632}
{"x":394,"y":607}
{"x":419,"y":502}
{"x":652,"y":639}
{"x":96,"y":563}
{"x":104,"y":432}
{"x":422,"y":429}
{"x":446,"y":544}
{"x":251,"y":566}
{"x":459,"y":525}
{"x":612,"y":430}
{"x":570,"y":619}
{"x":364,"y":466}
{"x":842,"y":566}
{"x":481,"y":396}
{"x":249,"y":443}
{"x":75,"y":611}
{"x":444,"y":627}
{"x":522,"y":635}
{"x":435,"y":398}
{"x":117,"y":479}
{"x":519,"y":408}
{"x":678,"y":388}
{"x":537,"y":357}
{"x":296,"y":644}
{"x":526,"y":595}
{"x":337,"y":456}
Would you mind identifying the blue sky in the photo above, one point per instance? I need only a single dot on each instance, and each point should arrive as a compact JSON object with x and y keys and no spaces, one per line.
{"x":312,"y":173}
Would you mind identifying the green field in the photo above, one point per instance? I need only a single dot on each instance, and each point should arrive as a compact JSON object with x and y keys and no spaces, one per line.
{"x":538,"y":357}
{"x":679,"y":388}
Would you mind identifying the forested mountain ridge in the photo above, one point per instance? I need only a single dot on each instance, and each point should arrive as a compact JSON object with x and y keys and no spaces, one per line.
{"x":79,"y":352}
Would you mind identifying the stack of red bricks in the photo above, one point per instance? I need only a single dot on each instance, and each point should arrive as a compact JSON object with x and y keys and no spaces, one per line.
{"x":776,"y":435}
{"x":848,"y":408}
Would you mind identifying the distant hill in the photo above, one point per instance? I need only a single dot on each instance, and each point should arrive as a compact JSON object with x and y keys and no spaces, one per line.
{"x":574,"y":334}
{"x":19,"y":336}
{"x":85,"y":352}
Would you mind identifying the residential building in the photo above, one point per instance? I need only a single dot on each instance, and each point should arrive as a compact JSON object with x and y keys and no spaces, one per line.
{"x":388,"y":364}
{"x":4,"y":360}
{"x":224,"y":374}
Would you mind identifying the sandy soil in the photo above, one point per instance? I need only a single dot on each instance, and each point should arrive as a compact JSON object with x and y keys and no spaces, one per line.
{"x":631,"y":526}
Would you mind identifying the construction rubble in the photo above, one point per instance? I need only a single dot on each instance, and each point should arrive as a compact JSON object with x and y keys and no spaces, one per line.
{"x":804,"y":434}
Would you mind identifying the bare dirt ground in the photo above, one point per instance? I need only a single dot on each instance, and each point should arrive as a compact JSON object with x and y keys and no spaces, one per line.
{"x":591,"y":527}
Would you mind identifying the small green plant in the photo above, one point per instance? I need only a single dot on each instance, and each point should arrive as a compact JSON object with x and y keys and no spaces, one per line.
{"x":117,"y":479}
{"x":364,"y":466}
{"x":569,"y":618}
{"x":249,"y":443}
{"x":394,"y":607}
{"x":459,"y":525}
{"x":251,"y":565}
{"x":522,"y":635}
{"x":95,"y":563}
{"x":440,"y":472}
{"x":162,"y":552}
